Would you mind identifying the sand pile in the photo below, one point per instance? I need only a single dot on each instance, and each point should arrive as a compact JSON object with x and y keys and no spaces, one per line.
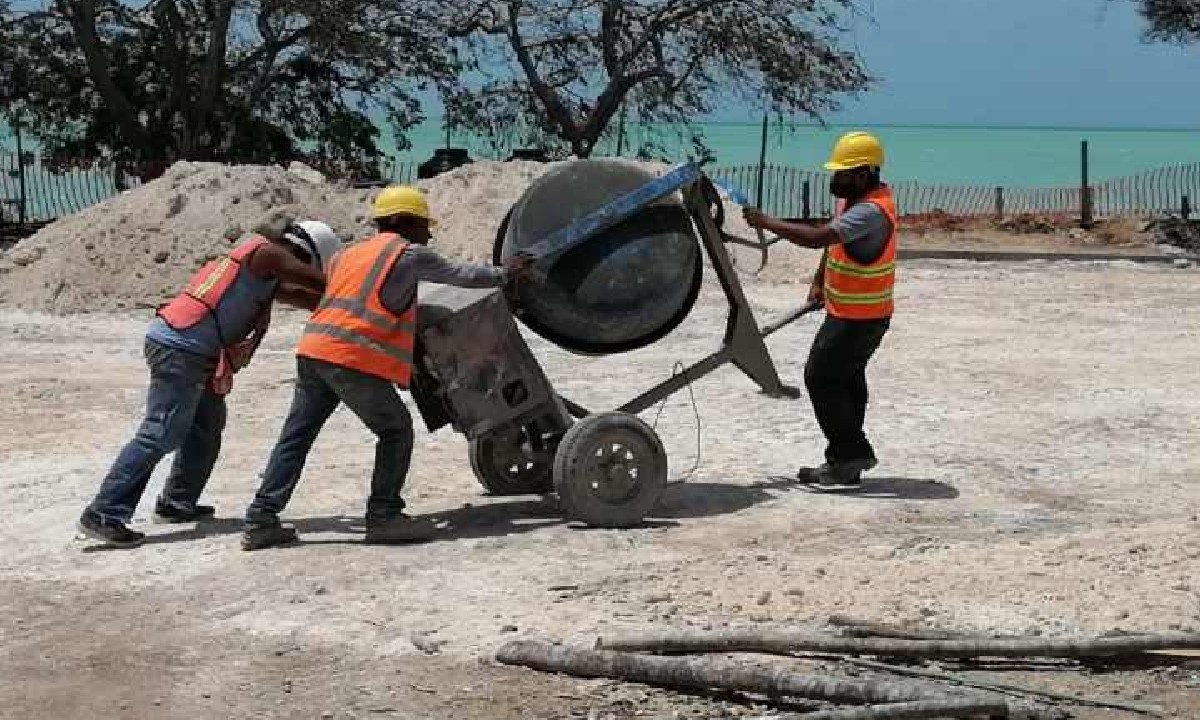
{"x":138,"y":249}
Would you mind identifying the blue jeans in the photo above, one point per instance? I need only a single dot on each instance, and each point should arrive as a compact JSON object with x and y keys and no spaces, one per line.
{"x":320,"y":388}
{"x":182,"y":416}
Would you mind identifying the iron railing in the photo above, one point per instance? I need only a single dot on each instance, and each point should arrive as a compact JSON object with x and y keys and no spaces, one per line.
{"x":52,"y":189}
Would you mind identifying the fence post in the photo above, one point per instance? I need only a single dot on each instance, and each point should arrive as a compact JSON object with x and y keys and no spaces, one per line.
{"x":999,"y":202}
{"x":762,"y":163}
{"x":20,"y":172}
{"x":1085,"y":192}
{"x":1185,"y":208}
{"x":806,"y":203}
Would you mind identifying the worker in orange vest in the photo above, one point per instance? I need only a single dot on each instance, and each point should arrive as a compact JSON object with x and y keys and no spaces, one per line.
{"x":193,"y":347}
{"x":855,"y":282}
{"x":356,"y":349}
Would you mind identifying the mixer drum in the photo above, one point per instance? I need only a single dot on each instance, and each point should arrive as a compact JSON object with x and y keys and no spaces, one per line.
{"x":620,"y":290}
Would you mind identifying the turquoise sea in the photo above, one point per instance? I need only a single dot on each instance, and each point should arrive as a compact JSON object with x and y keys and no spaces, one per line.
{"x":1008,"y":156}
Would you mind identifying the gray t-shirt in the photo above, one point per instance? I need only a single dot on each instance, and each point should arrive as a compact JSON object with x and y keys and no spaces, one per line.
{"x":421,"y":264}
{"x":864,"y":230}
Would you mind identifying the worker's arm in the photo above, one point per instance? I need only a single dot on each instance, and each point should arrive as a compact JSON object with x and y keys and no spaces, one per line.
{"x":816,"y":291}
{"x":795,"y":233}
{"x":298,"y":297}
{"x":274,"y":262}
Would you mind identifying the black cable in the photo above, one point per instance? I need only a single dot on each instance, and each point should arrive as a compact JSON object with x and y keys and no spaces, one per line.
{"x":676,"y":370}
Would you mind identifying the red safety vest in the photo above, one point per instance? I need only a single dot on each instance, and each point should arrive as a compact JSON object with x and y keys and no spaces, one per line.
{"x":854,"y":291}
{"x":351,"y":327}
{"x":200,"y":298}
{"x":207,"y":286}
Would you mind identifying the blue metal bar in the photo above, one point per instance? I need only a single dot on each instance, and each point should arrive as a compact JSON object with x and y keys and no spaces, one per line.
{"x":626,"y":206}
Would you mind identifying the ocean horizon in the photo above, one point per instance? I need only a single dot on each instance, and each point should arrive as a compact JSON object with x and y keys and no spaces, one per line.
{"x":1008,"y":156}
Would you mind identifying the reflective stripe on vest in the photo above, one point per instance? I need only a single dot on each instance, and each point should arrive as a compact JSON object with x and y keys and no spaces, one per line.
{"x":857,"y":291}
{"x":206,"y":288}
{"x":351,"y":327}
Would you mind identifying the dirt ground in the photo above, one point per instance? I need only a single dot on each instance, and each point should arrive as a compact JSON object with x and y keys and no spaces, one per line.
{"x":1040,"y":455}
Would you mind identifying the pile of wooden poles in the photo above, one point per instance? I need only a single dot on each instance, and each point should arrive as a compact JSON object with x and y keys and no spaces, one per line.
{"x":691,"y":659}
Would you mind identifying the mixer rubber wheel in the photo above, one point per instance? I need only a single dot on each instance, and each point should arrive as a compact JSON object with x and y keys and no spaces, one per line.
{"x":508,"y":465}
{"x":610,"y":470}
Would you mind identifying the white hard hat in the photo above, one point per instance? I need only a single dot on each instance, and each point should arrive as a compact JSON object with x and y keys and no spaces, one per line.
{"x":316,"y":238}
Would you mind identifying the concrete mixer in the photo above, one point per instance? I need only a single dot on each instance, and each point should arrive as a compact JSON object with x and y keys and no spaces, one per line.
{"x":618,"y":265}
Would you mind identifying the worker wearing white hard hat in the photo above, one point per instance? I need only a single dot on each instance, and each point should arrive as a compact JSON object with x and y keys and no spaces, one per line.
{"x":356,"y":350}
{"x":194,"y":345}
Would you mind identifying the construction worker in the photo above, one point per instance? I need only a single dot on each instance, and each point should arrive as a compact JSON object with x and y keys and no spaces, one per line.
{"x":356,"y":349}
{"x":193,"y":347}
{"x":854,"y":281}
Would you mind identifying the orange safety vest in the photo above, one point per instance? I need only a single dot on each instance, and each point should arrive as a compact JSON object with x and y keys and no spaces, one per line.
{"x":854,"y":291}
{"x":351,"y":327}
{"x":207,"y":286}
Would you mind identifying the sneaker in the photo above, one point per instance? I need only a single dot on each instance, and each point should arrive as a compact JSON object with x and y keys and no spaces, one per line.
{"x":398,"y":530}
{"x":110,"y":532}
{"x":268,"y":535}
{"x":168,"y":514}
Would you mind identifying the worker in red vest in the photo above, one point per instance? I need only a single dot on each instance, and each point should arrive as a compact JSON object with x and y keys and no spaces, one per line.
{"x":854,"y":281}
{"x":193,"y":347}
{"x":357,"y":349}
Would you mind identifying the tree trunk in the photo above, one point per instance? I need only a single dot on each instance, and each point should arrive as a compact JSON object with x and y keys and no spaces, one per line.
{"x":908,"y":711}
{"x":786,"y":642}
{"x":701,"y":673}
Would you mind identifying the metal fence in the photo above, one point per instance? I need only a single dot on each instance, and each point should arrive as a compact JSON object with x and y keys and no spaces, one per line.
{"x":797,"y":193}
{"x":36,"y":189}
{"x":39,"y":189}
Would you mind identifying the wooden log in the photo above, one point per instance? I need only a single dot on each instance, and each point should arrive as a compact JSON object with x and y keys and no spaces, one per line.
{"x":786,"y":642}
{"x":1007,"y":688}
{"x":702,"y":673}
{"x":855,"y":627}
{"x":907,"y":711}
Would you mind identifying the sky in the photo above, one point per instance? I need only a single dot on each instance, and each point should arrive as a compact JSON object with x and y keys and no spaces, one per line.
{"x":1076,"y":63}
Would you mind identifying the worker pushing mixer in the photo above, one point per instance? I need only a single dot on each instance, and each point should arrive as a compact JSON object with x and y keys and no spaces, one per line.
{"x":193,"y":347}
{"x":854,"y":281}
{"x":356,"y":348}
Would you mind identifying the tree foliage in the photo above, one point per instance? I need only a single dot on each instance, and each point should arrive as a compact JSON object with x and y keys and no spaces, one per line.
{"x":1171,"y":20}
{"x":234,"y":80}
{"x":564,"y":69}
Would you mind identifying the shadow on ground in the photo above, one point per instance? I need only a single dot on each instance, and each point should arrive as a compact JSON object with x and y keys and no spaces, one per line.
{"x":502,"y":518}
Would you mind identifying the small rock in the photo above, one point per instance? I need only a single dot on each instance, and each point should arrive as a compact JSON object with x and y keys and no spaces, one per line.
{"x":320,"y":590}
{"x":508,"y":628}
{"x":794,"y":592}
{"x":764,"y":598}
{"x":161,"y":256}
{"x":327,"y":714}
{"x":762,"y":558}
{"x":659,"y":598}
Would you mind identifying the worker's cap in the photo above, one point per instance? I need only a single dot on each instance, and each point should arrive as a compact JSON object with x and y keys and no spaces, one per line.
{"x":855,"y":150}
{"x":401,"y":200}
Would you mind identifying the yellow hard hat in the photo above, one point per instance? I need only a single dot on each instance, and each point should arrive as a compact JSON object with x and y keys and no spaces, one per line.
{"x":855,"y":150}
{"x":401,"y":200}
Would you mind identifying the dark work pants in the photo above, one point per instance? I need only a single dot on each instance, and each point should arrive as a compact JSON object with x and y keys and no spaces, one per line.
{"x":320,"y":388}
{"x":836,"y":377}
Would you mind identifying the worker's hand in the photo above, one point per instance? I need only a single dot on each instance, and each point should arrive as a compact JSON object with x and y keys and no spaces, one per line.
{"x":240,"y":354}
{"x":756,"y":218}
{"x":816,"y":295}
{"x":517,"y":266}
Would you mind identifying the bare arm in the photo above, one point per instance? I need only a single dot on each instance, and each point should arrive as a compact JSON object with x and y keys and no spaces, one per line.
{"x":795,"y":233}
{"x":298,"y":298}
{"x":272,"y":261}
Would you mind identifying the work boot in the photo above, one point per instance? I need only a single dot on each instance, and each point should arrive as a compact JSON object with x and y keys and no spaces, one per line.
{"x":840,"y":474}
{"x":109,"y":532}
{"x":399,"y":530}
{"x":259,"y":536}
{"x":168,"y":514}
